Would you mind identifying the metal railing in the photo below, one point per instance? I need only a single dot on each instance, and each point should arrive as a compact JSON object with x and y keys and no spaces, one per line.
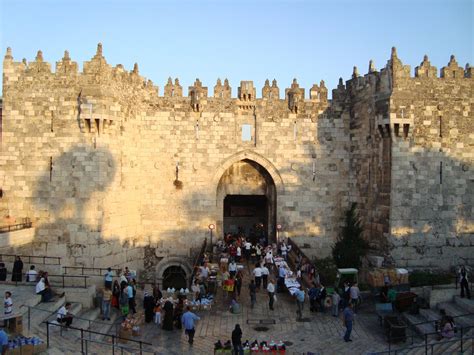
{"x":89,"y":271}
{"x":15,"y":227}
{"x":196,"y":261}
{"x":33,"y":259}
{"x":426,"y":344}
{"x":114,"y":338}
{"x":54,"y":280}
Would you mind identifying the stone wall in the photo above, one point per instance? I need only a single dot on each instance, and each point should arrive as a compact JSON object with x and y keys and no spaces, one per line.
{"x":105,"y":166}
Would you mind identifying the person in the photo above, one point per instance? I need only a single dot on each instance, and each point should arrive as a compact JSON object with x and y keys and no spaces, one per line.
{"x":116,"y":295}
{"x":178,"y":312}
{"x":238,"y":283}
{"x":464,"y":283}
{"x":31,"y":274}
{"x":322,"y":298}
{"x":168,"y":318}
{"x":43,"y":290}
{"x":346,"y":296}
{"x":313,"y":295}
{"x":188,"y":320}
{"x":157,"y":294}
{"x":232,"y":268}
{"x":123,"y":302}
{"x":148,"y":306}
{"x":108,"y":278}
{"x":8,"y":306}
{"x":300,"y":302}
{"x":265,"y":273}
{"x":157,"y":311}
{"x":281,"y":278}
{"x":3,"y":341}
{"x":335,"y":302}
{"x":253,"y":293}
{"x":257,"y":272}
{"x":247,"y":249}
{"x":106,"y":301}
{"x":131,"y":298}
{"x":237,"y":340}
{"x":447,"y":330}
{"x":271,"y":294}
{"x":3,"y":272}
{"x":195,"y":290}
{"x":127,"y":274}
{"x":17,"y":272}
{"x":234,"y":307}
{"x":384,"y":294}
{"x":355,"y":294}
{"x":65,"y":315}
{"x":348,"y":318}
{"x":238,"y":254}
{"x":284,"y":250}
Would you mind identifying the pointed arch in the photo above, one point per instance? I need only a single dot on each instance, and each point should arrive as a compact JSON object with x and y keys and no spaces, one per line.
{"x":253,"y":156}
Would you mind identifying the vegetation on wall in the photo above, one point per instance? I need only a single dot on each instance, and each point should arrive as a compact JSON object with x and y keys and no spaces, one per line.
{"x":350,"y":246}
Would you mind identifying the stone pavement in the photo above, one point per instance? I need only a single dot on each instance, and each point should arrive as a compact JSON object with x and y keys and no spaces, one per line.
{"x":318,"y":333}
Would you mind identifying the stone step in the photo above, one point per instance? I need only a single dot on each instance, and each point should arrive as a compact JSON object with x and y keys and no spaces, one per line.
{"x":43,"y":311}
{"x":414,"y":319}
{"x":466,"y":304}
{"x":106,"y":326}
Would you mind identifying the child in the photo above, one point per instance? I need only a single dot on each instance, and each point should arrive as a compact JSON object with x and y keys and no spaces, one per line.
{"x":8,"y":305}
{"x":157,"y":311}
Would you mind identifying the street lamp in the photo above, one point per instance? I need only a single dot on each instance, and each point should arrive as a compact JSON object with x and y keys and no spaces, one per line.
{"x":278,"y":231}
{"x":211,"y":228}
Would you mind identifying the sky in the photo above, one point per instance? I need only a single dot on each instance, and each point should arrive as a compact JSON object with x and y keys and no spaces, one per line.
{"x":241,"y":40}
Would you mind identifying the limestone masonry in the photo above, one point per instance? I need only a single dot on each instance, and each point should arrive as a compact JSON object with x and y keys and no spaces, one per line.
{"x":110,"y":172}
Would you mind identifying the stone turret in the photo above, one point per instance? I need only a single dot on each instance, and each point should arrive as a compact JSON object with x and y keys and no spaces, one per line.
{"x":247,"y":91}
{"x":453,"y":70}
{"x":425,"y":69}
{"x":295,"y":96}
{"x":197,"y":92}
{"x":222,"y":91}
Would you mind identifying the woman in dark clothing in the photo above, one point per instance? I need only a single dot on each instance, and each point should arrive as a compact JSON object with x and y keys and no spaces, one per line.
{"x":178,"y":312}
{"x":157,"y":293}
{"x":3,"y":272}
{"x":168,"y":318}
{"x":116,"y":295}
{"x":237,"y":340}
{"x":148,"y":305}
{"x":17,"y":271}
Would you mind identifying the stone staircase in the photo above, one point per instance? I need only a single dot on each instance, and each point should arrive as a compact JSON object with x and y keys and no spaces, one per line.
{"x":424,"y":324}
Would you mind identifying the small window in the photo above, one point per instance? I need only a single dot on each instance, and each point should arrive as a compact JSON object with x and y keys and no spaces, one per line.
{"x":246,"y":132}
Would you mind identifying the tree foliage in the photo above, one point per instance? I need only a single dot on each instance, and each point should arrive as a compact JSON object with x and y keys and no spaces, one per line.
{"x":350,"y":246}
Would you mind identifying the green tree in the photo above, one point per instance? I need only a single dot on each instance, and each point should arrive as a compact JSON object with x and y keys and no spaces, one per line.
{"x":350,"y":246}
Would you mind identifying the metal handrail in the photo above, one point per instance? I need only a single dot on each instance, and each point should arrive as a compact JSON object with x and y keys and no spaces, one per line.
{"x":430,"y":345}
{"x":15,"y":227}
{"x":432,"y":321}
{"x":196,"y":261}
{"x":85,"y":269}
{"x":113,"y":337}
{"x":121,"y":347}
{"x":29,"y":257}
{"x":462,"y":330}
{"x":61,"y":284}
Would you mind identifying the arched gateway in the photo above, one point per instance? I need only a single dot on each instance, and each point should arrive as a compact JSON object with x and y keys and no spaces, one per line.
{"x":246,"y":199}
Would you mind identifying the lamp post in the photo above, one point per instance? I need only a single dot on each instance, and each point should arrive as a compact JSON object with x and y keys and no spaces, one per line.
{"x":278,"y":231}
{"x":211,"y":228}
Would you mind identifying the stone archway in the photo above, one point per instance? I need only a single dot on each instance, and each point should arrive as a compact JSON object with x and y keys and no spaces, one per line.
{"x":169,"y":262}
{"x":247,"y":195}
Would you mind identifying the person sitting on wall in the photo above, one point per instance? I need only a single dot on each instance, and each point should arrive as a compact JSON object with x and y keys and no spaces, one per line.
{"x":43,"y":290}
{"x":64,"y":315}
{"x":31,"y":275}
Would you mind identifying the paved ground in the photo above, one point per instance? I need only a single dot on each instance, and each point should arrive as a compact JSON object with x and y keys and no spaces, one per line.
{"x":319,"y":333}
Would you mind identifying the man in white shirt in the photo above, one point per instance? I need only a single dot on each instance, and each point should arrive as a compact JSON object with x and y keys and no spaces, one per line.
{"x":232,"y":268}
{"x":265,"y":273}
{"x":31,"y":274}
{"x":239,"y":253}
{"x":354,"y":292}
{"x":284,"y":249}
{"x":42,"y":290}
{"x":64,"y":315}
{"x":247,"y":247}
{"x":271,"y":294}
{"x":257,"y":272}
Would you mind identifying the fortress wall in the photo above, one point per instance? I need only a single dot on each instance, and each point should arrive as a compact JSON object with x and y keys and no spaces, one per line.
{"x":432,"y":197}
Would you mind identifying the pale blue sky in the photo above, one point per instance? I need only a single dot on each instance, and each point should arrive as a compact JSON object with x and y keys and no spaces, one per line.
{"x":241,"y":40}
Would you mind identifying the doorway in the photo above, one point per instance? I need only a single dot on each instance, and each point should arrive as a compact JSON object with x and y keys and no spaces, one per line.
{"x":247,"y":215}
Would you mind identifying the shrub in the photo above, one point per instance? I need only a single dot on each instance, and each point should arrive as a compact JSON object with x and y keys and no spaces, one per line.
{"x":327,"y":270}
{"x":427,"y":278}
{"x":350,"y":246}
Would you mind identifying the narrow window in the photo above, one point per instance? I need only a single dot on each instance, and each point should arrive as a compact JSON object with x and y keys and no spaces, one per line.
{"x":440,"y":127}
{"x":50,"y":169}
{"x":88,"y":125}
{"x":97,"y":125}
{"x":246,"y":132}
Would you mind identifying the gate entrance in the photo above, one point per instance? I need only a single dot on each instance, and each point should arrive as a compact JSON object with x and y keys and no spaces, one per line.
{"x":174,"y":277}
{"x":246,"y":195}
{"x":246,"y":214}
